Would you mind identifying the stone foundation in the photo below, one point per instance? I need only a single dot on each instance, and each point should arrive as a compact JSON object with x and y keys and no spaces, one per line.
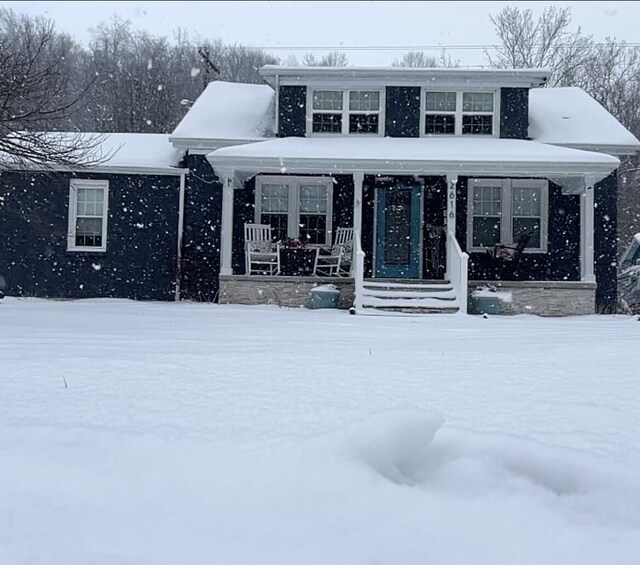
{"x":293,"y":292}
{"x":545,"y":298}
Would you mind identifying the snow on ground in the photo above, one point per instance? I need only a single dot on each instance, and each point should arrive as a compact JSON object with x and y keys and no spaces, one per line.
{"x":195,"y":433}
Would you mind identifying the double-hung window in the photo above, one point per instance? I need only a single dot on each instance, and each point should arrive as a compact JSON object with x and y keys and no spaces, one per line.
{"x":459,"y":113}
{"x":295,"y":207}
{"x":346,"y":112}
{"x":502,"y":211}
{"x":88,"y":203}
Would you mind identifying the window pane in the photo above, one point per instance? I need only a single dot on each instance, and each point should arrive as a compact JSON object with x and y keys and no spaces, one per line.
{"x":487,"y":201}
{"x":89,"y":232}
{"x":313,"y":198}
{"x":524,"y":226}
{"x":364,"y":100}
{"x":327,"y":100}
{"x":526,"y":201}
{"x":443,"y":124}
{"x":275,"y":198}
{"x":313,"y":228}
{"x":440,"y":102}
{"x":363,"y":123}
{"x":486,"y":231}
{"x":477,"y":102}
{"x":327,"y":123}
{"x":278,"y":222}
{"x":477,"y":125}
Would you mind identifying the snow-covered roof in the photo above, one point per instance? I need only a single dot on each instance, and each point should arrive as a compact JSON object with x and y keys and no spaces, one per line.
{"x":226,"y":112}
{"x":570,"y":117}
{"x":149,"y":153}
{"x":387,"y":155}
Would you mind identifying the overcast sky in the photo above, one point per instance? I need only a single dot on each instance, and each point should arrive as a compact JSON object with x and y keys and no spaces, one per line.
{"x":277,"y":26}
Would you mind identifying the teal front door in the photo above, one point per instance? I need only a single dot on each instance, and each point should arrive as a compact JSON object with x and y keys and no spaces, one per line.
{"x":398,"y":217}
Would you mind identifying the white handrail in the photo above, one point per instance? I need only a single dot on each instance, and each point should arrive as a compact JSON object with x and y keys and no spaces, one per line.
{"x":358,"y":270}
{"x":459,"y":262}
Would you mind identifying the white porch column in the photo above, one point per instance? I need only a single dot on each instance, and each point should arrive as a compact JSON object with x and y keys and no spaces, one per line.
{"x":358,"y":179}
{"x":452,"y":182}
{"x":226,"y":230}
{"x":586,"y":230}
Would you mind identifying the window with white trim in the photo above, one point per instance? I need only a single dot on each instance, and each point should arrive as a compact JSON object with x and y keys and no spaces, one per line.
{"x":88,"y":205}
{"x":356,"y":112}
{"x":459,"y":113}
{"x":502,"y":211}
{"x":296,"y":207}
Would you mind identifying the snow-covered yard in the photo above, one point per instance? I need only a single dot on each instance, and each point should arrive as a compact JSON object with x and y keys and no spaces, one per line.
{"x":179,"y":434}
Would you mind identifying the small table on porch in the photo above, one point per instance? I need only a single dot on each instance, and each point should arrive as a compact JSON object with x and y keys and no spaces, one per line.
{"x":298,"y":261}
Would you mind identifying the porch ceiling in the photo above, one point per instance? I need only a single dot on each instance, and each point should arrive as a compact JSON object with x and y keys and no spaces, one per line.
{"x":418,"y":156}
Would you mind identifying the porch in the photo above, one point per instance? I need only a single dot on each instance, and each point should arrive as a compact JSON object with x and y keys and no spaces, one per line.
{"x":416,"y":218}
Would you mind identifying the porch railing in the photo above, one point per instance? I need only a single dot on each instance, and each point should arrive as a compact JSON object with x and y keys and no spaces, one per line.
{"x":358,"y":270}
{"x":459,"y":262}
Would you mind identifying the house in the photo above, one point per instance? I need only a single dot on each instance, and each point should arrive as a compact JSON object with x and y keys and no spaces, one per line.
{"x":432,"y":168}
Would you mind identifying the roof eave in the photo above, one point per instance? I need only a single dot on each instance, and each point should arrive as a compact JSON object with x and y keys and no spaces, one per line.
{"x":610,"y":149}
{"x":400,"y":76}
{"x":347,"y":166}
{"x":203,"y":145}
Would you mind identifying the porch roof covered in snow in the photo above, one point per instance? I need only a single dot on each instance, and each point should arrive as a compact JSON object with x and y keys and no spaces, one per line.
{"x":417,"y":156}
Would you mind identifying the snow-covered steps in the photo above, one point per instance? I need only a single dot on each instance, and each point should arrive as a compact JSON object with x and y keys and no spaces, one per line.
{"x":415,"y":297}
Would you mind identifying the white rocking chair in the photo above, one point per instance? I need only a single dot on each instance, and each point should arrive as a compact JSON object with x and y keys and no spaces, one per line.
{"x":338,"y":262}
{"x":261,"y":254}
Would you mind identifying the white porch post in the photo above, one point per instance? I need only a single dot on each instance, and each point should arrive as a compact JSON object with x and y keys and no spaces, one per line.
{"x":586,"y":229}
{"x":452,"y":182}
{"x":226,"y":230}
{"x":358,"y":179}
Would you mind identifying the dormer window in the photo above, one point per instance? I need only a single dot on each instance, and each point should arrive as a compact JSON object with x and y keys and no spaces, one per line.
{"x":459,"y":113}
{"x":346,"y":112}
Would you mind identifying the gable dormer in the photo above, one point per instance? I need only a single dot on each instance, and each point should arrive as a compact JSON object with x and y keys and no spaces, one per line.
{"x":402,"y":102}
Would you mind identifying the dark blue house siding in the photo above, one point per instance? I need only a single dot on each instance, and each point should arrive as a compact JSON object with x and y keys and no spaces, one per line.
{"x":141,"y":257}
{"x":514,"y":113}
{"x":560,"y":263}
{"x":402,"y":111}
{"x":605,"y":242}
{"x":292,"y":111}
{"x":201,"y":239}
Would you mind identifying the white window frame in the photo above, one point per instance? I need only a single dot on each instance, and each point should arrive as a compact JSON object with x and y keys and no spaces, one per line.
{"x":459,"y":113}
{"x":345,"y":112}
{"x":74,"y":185}
{"x":506,"y":217}
{"x":293,"y":213}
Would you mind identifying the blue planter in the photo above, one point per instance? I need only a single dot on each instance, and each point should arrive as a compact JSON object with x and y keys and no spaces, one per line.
{"x":486,"y":305}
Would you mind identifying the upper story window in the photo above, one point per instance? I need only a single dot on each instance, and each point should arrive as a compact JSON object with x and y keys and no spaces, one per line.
{"x":459,"y":113}
{"x":87,"y":215}
{"x":346,"y":112}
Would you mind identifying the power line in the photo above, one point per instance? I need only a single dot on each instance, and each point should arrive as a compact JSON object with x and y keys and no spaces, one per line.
{"x":411,"y":47}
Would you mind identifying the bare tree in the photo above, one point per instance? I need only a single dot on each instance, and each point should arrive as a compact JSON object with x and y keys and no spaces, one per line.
{"x":608,"y":71}
{"x":332,"y":59}
{"x":546,"y":42}
{"x":36,"y":95}
{"x":420,"y":59}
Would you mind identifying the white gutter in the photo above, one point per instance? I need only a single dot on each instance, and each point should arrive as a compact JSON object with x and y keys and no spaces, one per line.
{"x":180,"y":235}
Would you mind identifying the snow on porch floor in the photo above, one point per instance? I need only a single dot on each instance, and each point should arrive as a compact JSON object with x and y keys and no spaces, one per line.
{"x":193,"y":433}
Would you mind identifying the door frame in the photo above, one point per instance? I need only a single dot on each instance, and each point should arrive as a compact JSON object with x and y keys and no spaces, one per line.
{"x":417,"y":184}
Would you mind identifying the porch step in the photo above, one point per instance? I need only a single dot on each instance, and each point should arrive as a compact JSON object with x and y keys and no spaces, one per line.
{"x":415,"y":297}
